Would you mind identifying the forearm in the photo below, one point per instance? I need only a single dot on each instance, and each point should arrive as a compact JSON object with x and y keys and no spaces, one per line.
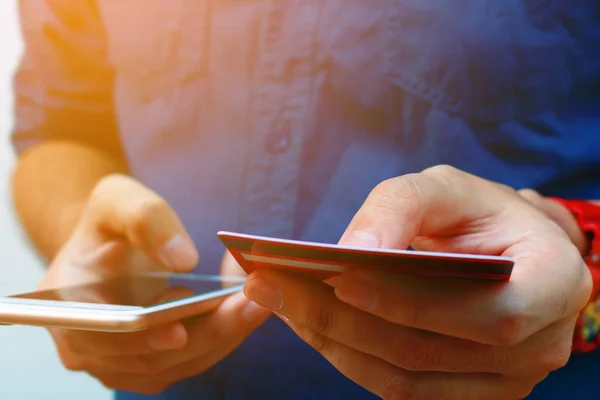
{"x":51,"y":183}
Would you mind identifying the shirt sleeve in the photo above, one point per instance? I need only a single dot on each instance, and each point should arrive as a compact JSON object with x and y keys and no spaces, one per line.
{"x":63,"y":85}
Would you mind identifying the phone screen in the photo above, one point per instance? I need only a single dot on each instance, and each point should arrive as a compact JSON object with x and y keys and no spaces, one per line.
{"x":139,"y":290}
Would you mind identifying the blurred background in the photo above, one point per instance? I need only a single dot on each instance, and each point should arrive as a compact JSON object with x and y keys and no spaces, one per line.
{"x":29,"y":366}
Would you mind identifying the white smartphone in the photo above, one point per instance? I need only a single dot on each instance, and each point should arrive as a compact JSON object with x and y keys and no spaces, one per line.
{"x":127,"y":304}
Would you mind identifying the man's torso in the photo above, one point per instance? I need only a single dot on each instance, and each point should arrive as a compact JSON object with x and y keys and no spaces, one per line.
{"x":279,"y":117}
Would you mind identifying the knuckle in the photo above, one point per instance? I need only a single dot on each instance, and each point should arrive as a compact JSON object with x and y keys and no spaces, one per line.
{"x":529,"y":386}
{"x":510,"y":328}
{"x":402,"y":387}
{"x":447,"y":176}
{"x":386,"y":186}
{"x":501,"y":188}
{"x":103,"y":185}
{"x":452,"y":177}
{"x":554,"y":356}
{"x":500,"y":359}
{"x":414,"y":355}
{"x":212,"y":333}
{"x":318,"y":342}
{"x":143,"y":212}
{"x":384,"y":195}
{"x":554,"y":359}
{"x":146,"y":386}
{"x":572,"y":254}
{"x":529,"y":194}
{"x":68,"y":343}
{"x":443,"y":171}
{"x":411,"y":195}
{"x":394,"y":388}
{"x":108,"y":184}
{"x":151,"y":389}
{"x":560,"y":302}
{"x":69,"y":352}
{"x":400,"y":194}
{"x":404,"y":188}
{"x":413,"y":313}
{"x":534,"y":199}
{"x":112,"y":383}
{"x":72,"y":362}
{"x":584,"y":283}
{"x":524,"y":387}
{"x":585,"y":288}
{"x":321,"y":320}
{"x":575,"y":287}
{"x":149,"y":365}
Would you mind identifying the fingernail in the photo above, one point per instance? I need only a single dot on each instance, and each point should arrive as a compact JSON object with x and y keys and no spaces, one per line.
{"x":179,"y":253}
{"x":361,"y":294}
{"x":253,"y":311}
{"x":265,"y":293}
{"x":167,"y":339}
{"x":361,"y":238}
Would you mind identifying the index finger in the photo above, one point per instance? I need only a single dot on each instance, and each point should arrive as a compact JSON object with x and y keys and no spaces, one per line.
{"x":438,"y":201}
{"x":494,"y":313}
{"x":120,"y":207}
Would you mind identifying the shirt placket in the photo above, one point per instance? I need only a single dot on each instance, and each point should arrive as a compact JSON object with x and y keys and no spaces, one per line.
{"x":279,"y":122}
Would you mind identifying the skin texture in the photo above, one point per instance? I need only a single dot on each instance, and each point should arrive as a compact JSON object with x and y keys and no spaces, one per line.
{"x":428,"y":338}
{"x":97,"y":223}
{"x":399,"y":338}
{"x":51,"y":184}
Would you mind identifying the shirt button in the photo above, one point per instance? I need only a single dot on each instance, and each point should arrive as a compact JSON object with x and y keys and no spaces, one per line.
{"x":279,"y":142}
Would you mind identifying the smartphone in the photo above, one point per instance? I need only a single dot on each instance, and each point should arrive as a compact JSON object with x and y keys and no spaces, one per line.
{"x":322,"y":261}
{"x":127,"y":304}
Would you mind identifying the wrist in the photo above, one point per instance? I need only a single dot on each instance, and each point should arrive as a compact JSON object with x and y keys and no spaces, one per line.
{"x":569,"y":223}
{"x":560,"y":211}
{"x":587,"y":216}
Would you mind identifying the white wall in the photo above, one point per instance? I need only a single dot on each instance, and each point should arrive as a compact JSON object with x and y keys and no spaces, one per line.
{"x":29,"y":367}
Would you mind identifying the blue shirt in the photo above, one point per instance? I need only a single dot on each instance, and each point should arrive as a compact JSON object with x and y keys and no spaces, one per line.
{"x":277,"y":117}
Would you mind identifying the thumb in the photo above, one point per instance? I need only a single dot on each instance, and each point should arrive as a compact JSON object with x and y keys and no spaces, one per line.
{"x":122,"y":208}
{"x":438,"y":201}
{"x":238,"y":317}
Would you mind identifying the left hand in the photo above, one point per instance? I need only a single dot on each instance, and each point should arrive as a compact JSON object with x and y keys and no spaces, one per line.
{"x":125,"y":228}
{"x":411,"y":337}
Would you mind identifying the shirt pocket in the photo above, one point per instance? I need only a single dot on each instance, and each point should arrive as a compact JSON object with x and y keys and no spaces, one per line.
{"x":486,"y":61}
{"x":156,"y":45}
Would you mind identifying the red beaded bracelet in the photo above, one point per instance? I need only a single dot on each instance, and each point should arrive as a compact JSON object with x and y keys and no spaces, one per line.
{"x":587,"y":332}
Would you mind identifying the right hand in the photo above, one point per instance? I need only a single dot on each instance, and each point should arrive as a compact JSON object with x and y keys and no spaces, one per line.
{"x":560,"y":215}
{"x":126,"y":227}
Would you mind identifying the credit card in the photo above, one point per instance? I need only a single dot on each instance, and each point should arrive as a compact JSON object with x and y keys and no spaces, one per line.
{"x":322,"y":261}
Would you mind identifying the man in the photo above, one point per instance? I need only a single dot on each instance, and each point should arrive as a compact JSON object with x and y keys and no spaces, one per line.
{"x":144,"y":126}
